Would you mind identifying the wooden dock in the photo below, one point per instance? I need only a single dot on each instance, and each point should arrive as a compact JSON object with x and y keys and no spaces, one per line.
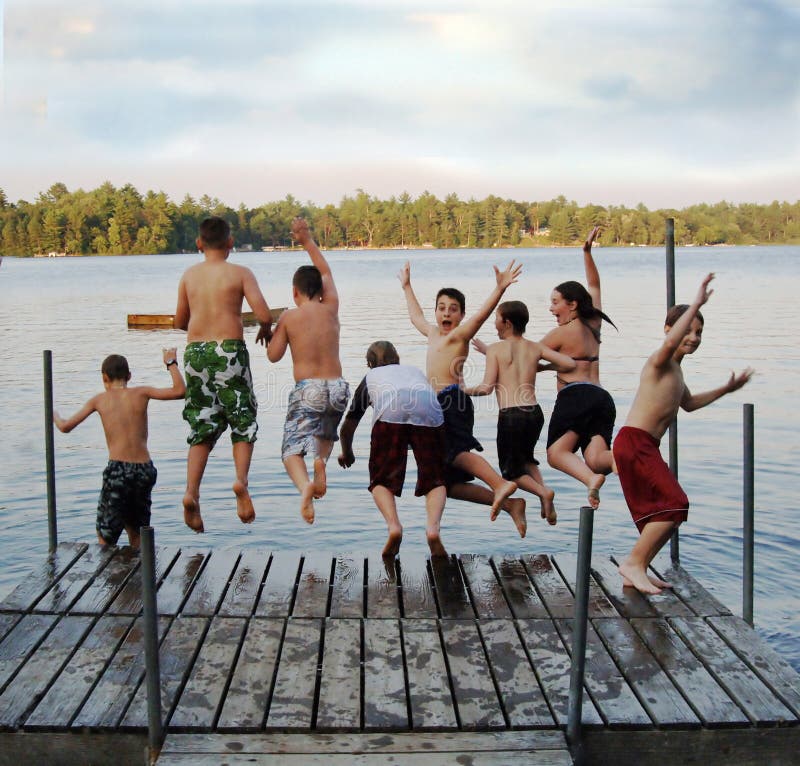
{"x":165,"y":321}
{"x":279,"y":658}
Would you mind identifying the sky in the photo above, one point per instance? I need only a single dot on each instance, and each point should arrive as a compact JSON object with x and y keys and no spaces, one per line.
{"x":662,"y":102}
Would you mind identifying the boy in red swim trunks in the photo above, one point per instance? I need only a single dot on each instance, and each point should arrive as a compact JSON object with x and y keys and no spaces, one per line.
{"x":655,"y":499}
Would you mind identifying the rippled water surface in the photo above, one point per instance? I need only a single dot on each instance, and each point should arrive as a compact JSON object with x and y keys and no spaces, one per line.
{"x":77,"y":307}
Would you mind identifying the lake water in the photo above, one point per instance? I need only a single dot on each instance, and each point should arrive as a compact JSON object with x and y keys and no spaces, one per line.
{"x":77,"y":307}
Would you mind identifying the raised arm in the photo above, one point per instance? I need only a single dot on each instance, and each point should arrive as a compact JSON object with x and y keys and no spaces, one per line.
{"x":178,"y":388}
{"x":414,"y":309}
{"x":504,"y":279}
{"x":691,"y":402}
{"x":302,"y":234}
{"x":490,"y":375}
{"x":590,"y":268}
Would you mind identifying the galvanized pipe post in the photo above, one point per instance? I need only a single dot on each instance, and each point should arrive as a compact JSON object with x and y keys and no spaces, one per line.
{"x":49,"y":449}
{"x":674,"y":547}
{"x":579,"y":632}
{"x":748,"y":523}
{"x":155,"y":729}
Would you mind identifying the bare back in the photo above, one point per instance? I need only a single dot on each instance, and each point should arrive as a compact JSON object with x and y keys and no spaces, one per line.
{"x":312,"y":333}
{"x":517,"y":360}
{"x":576,"y":340}
{"x":658,"y":398}
{"x":124,"y":415}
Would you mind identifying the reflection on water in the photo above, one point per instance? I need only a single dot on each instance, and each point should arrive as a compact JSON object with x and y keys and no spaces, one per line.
{"x":77,"y":307}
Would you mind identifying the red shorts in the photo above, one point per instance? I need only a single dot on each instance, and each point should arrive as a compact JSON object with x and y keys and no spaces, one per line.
{"x":388,"y":455}
{"x":651,"y":491}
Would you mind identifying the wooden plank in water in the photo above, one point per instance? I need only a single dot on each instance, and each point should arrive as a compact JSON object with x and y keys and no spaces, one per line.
{"x":180,"y":579}
{"x":520,"y":693}
{"x":745,"y":687}
{"x":487,"y":594}
{"x":476,"y":698}
{"x":65,"y":697}
{"x":165,"y":321}
{"x":428,"y":683}
{"x":599,"y":605}
{"x":313,"y":587}
{"x":108,"y":583}
{"x":695,"y":596}
{"x":385,"y":700}
{"x":451,"y":590}
{"x":175,"y":661}
{"x":339,"y":707}
{"x":129,"y":599}
{"x":278,"y":591}
{"x":111,"y":696}
{"x":20,"y":643}
{"x":202,"y":696}
{"x":628,"y":601}
{"x":417,"y":586}
{"x":522,"y":597}
{"x":383,"y":596}
{"x":347,"y":593}
{"x":552,"y":663}
{"x":764,"y":661}
{"x":656,"y":692}
{"x":245,"y":705}
{"x":27,"y":687}
{"x":41,"y":578}
{"x":711,"y":703}
{"x":240,"y":598}
{"x":292,"y":705}
{"x":211,"y":584}
{"x":75,"y":580}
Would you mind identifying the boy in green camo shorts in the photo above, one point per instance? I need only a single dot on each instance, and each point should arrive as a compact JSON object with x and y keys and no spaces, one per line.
{"x":219,"y":389}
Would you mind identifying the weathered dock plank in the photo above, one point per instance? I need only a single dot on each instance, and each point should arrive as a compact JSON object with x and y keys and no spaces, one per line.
{"x":20,"y":643}
{"x":277,"y":594}
{"x":628,"y":602}
{"x":7,"y":621}
{"x":129,"y":599}
{"x":383,"y":593}
{"x":599,"y":604}
{"x":487,"y":593}
{"x":242,"y":594}
{"x":523,"y":600}
{"x":697,"y":599}
{"x":339,"y":707}
{"x":69,"y":587}
{"x":104,"y":588}
{"x":181,"y":577}
{"x":347,"y":591}
{"x":211,"y":584}
{"x":451,"y":591}
{"x":556,"y":597}
{"x":313,"y":586}
{"x":385,"y":699}
{"x":417,"y":587}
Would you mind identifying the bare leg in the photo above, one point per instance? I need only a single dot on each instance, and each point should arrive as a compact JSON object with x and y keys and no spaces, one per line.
{"x":561,"y":457}
{"x":242,"y":455}
{"x":532,"y":482}
{"x":598,"y":456}
{"x":634,"y":568}
{"x":296,"y":468}
{"x":384,"y":499}
{"x":324,"y":447}
{"x":195,"y":467}
{"x":475,"y":493}
{"x":434,"y":508}
{"x":134,"y":538}
{"x":477,"y":466}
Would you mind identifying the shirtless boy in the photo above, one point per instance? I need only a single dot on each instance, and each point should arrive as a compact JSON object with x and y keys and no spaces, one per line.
{"x":219,"y":389}
{"x":448,"y":346}
{"x":130,"y":475}
{"x":319,"y":398}
{"x":511,"y":367}
{"x":656,"y":501}
{"x":406,"y":414}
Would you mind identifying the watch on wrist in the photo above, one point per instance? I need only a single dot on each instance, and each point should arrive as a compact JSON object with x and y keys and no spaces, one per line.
{"x":171,"y":362}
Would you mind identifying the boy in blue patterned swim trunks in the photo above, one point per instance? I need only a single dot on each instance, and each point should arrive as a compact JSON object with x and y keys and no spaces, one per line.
{"x":130,"y":474}
{"x":219,"y":390}
{"x":320,"y":395}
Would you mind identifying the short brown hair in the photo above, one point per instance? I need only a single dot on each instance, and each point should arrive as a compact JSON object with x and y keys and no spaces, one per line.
{"x":215,"y":232}
{"x":676,"y":312}
{"x":115,"y":367}
{"x":308,"y":281}
{"x":515,"y":312}
{"x":380,"y":353}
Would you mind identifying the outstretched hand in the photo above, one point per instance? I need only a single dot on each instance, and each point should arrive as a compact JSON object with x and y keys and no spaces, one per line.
{"x":703,"y":294}
{"x":404,"y":275}
{"x":593,"y":234}
{"x":300,"y":230}
{"x":509,"y":276}
{"x":479,"y":345}
{"x":735,"y":382}
{"x":264,"y":333}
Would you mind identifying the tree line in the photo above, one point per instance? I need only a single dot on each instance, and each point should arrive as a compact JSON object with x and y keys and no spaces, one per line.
{"x":117,"y":221}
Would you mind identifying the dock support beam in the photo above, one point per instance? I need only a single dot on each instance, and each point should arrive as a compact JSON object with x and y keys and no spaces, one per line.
{"x":49,"y":448}
{"x":155,"y":729}
{"x":748,"y":523}
{"x":579,"y":632}
{"x":669,"y":239}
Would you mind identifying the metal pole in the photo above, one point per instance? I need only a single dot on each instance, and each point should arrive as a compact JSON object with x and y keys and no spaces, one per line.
{"x":155,"y":729}
{"x":49,"y":449}
{"x":579,"y":630}
{"x":748,"y":524}
{"x":674,"y":550}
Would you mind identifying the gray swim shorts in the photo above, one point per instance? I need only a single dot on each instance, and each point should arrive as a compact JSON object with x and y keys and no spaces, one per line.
{"x":314,"y":412}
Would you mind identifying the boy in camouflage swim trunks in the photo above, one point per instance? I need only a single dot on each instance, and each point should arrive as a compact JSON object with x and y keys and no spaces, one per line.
{"x":219,"y":390}
{"x":130,"y":474}
{"x":320,"y":394}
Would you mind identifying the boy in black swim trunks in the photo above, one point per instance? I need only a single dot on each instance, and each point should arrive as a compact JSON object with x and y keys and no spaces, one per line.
{"x":511,"y":367}
{"x":130,"y":474}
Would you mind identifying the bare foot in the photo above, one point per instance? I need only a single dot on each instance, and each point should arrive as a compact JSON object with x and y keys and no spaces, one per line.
{"x":594,"y":490}
{"x":435,"y":544}
{"x":506,"y":489}
{"x":392,"y":547}
{"x":244,"y":504}
{"x":515,"y":508}
{"x":320,"y":478}
{"x":191,"y":513}
{"x":549,"y":510}
{"x":636,"y":577}
{"x":306,"y":503}
{"x":658,"y":582}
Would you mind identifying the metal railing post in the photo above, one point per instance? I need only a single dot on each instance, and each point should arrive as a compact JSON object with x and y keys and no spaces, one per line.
{"x":579,"y":632}
{"x":49,"y":449}
{"x":155,"y":729}
{"x":748,"y":522}
{"x":669,"y":240}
